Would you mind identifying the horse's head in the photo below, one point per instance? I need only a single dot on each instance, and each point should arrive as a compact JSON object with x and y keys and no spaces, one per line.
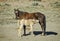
{"x":19,"y":14}
{"x":16,"y":11}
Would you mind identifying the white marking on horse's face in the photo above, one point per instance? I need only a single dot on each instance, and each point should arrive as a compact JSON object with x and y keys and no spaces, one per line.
{"x":16,"y":11}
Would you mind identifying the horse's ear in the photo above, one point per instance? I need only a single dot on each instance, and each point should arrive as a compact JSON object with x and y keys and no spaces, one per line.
{"x":14,"y":9}
{"x":17,"y":9}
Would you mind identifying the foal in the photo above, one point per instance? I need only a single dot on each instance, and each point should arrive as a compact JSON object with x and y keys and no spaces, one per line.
{"x":36,"y":16}
{"x":29,"y":22}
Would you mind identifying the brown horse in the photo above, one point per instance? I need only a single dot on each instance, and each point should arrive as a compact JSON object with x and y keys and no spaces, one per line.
{"x":37,"y":16}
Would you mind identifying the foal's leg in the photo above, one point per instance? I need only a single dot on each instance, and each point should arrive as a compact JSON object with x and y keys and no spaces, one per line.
{"x":19,"y":30}
{"x":18,"y":23}
{"x":20,"y":27}
{"x":31,"y":29}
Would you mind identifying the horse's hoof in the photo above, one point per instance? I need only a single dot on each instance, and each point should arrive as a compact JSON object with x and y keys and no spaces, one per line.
{"x":43,"y":34}
{"x":24,"y":34}
{"x":33,"y":35}
{"x":19,"y":36}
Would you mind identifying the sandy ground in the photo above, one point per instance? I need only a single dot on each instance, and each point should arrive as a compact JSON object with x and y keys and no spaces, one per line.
{"x":8,"y":25}
{"x":8,"y":32}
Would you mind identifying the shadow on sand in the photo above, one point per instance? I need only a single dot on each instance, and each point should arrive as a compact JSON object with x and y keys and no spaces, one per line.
{"x":47,"y":33}
{"x":40,"y":32}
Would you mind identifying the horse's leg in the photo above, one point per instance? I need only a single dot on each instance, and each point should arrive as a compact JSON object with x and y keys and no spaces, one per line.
{"x":42,"y":26}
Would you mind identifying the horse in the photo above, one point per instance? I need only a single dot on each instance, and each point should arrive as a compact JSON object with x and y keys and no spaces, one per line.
{"x":21,"y":15}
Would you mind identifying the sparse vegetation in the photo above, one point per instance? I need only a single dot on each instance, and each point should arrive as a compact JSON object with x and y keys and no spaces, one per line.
{"x":8,"y":23}
{"x":56,"y":5}
{"x":35,"y":4}
{"x":6,"y":9}
{"x":36,"y":0}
